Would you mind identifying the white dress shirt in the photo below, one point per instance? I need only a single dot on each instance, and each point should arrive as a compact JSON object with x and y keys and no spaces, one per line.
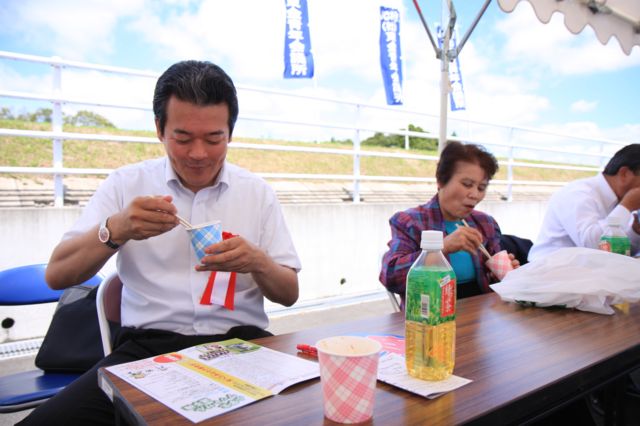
{"x":577,"y":216}
{"x":162,"y":289}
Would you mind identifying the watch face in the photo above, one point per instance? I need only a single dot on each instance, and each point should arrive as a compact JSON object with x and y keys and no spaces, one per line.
{"x":103,"y":234}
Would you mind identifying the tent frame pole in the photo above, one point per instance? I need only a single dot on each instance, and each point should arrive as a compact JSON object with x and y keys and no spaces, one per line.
{"x":447,"y":55}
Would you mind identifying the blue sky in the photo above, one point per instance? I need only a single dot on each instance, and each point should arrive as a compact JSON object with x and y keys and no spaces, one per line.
{"x":515,"y":69}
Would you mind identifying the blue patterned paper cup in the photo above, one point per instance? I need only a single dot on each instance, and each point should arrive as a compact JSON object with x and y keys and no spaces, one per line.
{"x":204,"y":235}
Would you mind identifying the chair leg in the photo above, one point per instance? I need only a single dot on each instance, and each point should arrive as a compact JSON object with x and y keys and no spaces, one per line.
{"x":394,"y":301}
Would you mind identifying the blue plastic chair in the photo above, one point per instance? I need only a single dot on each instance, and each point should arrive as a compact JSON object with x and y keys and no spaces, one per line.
{"x":25,"y":285}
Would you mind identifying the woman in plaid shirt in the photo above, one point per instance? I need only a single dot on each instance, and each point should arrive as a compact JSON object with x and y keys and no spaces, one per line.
{"x":463,"y":174}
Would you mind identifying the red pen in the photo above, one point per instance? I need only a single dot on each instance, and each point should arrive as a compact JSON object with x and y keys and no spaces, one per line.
{"x":307,"y":350}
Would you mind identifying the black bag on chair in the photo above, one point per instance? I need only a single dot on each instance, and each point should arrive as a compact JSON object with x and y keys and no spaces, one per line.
{"x":73,"y":343}
{"x":517,"y":246}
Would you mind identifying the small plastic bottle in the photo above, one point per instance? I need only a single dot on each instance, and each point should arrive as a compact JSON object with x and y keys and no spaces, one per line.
{"x":614,"y":239}
{"x":430,"y":312}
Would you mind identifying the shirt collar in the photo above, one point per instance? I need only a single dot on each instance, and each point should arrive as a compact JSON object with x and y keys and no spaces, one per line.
{"x":609,"y":197}
{"x":170,"y":174}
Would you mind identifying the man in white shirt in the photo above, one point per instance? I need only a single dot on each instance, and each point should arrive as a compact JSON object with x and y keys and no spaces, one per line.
{"x":577,"y":214}
{"x":165,"y":306}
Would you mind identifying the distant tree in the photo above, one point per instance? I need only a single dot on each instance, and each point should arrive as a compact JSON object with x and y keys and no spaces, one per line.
{"x":341,"y":141}
{"x":382,"y":139}
{"x":415,"y":142}
{"x":42,"y":115}
{"x":88,"y":118}
{"x":5,"y":114}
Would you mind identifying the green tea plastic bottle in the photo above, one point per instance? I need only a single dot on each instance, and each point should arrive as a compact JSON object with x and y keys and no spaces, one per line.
{"x":430,"y":312}
{"x":614,"y":239}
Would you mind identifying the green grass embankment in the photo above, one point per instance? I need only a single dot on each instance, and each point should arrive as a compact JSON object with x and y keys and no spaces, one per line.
{"x":34,"y":152}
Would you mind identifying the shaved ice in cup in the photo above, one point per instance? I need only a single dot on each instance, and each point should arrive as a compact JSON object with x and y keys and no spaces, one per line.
{"x":204,"y":235}
{"x":500,"y":264}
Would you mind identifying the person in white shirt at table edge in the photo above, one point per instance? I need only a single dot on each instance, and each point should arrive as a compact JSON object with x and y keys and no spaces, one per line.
{"x":195,"y":106}
{"x":577,"y":214}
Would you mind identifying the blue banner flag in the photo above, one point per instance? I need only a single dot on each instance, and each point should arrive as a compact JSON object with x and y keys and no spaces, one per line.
{"x":390,"y":54}
{"x":456,"y":96}
{"x":298,"y":60}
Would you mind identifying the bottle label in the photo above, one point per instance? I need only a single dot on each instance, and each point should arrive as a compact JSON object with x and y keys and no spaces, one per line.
{"x":604,"y":245}
{"x":613,"y":244}
{"x":448,"y":296}
{"x":431,"y":296}
{"x":425,"y":306}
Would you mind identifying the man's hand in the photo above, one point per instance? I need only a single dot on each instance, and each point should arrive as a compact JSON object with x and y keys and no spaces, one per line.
{"x":277,"y":282}
{"x":464,"y":238}
{"x":515,"y":263}
{"x":143,"y":218}
{"x":233,"y":255}
{"x":636,"y":223}
{"x":631,"y":199}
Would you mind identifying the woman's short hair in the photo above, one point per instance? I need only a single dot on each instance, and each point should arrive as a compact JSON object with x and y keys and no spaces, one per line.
{"x":469,"y":153}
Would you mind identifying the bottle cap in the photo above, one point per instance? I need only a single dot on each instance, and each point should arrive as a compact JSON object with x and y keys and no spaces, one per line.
{"x":431,"y":240}
{"x":614,"y":221}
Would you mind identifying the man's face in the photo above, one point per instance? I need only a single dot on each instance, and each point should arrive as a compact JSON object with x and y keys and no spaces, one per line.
{"x":195,"y":139}
{"x":634,"y":181}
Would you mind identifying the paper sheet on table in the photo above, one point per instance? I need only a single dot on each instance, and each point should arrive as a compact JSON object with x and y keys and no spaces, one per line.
{"x":392,"y":370}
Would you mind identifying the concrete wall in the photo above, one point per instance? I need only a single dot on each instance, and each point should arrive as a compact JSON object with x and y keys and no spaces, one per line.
{"x":340,"y":245}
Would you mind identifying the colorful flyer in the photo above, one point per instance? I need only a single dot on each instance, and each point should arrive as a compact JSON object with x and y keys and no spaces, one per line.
{"x":207,"y":380}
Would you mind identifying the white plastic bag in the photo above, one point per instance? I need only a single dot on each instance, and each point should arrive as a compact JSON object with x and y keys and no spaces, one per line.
{"x":574,"y":277}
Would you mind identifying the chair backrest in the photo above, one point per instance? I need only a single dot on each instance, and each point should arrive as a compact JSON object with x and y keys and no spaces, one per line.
{"x":108,"y":306}
{"x":26,"y":285}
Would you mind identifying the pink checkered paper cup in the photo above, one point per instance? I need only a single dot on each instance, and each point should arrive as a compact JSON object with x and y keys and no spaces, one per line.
{"x":348,"y":372}
{"x":204,"y":235}
{"x":500,"y":264}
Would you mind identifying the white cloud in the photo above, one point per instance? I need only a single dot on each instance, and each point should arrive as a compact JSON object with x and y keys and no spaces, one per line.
{"x":107,"y":88}
{"x":586,"y":129}
{"x":13,"y":80}
{"x":247,"y":36}
{"x":583,"y":106}
{"x":73,"y":29}
{"x":345,"y":36}
{"x":628,"y":133}
{"x":533,"y":44}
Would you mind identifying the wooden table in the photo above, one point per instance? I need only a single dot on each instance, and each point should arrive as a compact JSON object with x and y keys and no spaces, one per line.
{"x":524,"y":363}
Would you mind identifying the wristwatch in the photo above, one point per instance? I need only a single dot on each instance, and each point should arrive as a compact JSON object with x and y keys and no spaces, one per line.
{"x":105,"y":236}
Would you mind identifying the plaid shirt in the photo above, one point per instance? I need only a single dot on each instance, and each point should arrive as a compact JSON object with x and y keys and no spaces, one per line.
{"x":404,"y":247}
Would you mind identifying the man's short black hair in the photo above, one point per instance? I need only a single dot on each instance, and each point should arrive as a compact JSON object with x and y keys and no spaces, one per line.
{"x":628,"y":156}
{"x":199,"y":82}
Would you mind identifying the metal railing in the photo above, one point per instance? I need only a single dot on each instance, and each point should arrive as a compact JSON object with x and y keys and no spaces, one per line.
{"x":360,"y":120}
